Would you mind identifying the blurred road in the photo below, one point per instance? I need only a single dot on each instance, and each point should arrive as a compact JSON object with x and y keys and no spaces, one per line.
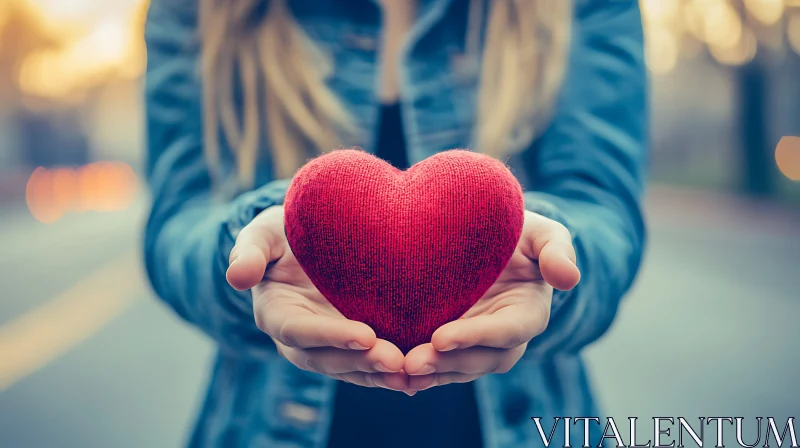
{"x":711,"y":326}
{"x":89,"y":359}
{"x":117,"y":369}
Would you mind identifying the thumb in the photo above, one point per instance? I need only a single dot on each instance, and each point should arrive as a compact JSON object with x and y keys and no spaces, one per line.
{"x":259,"y":243}
{"x":557,"y":266}
{"x":550,"y":244}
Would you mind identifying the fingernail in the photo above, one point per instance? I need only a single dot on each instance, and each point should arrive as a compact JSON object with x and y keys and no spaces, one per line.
{"x":410,"y":393}
{"x":452,"y":346}
{"x":427,"y":369}
{"x":356,"y":346}
{"x":381,"y":368}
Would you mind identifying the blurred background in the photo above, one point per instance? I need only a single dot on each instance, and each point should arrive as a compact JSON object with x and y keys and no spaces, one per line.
{"x":89,"y":359}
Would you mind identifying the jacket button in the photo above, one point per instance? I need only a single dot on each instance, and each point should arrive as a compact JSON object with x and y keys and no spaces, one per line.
{"x":516,"y":407}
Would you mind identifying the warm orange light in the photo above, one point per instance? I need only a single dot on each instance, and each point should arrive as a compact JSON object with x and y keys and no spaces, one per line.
{"x":101,"y":43}
{"x":105,"y":183}
{"x":88,"y":187}
{"x":787,"y":156}
{"x":3,"y":14}
{"x":99,"y":186}
{"x":65,"y":188}
{"x":114,"y":187}
{"x":39,"y":196}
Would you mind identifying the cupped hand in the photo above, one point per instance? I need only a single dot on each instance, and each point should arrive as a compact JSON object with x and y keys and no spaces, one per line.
{"x":493,"y":335}
{"x":307,"y":330}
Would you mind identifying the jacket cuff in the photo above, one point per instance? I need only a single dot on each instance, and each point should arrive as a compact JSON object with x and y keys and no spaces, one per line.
{"x":247,"y":206}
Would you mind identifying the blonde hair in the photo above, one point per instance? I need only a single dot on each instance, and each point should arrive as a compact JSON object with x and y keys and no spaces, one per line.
{"x":282,"y":78}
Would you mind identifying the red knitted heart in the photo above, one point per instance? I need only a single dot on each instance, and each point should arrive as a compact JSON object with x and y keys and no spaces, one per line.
{"x":403,"y":251}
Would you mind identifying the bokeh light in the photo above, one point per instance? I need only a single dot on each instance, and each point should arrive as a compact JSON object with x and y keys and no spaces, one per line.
{"x":742,"y":52}
{"x":39,"y":196}
{"x":787,"y":156}
{"x":730,"y":30}
{"x":3,"y":14}
{"x":94,"y":41}
{"x":767,"y":12}
{"x":662,"y":50}
{"x":99,"y":187}
{"x":722,"y":27}
{"x":659,"y":10}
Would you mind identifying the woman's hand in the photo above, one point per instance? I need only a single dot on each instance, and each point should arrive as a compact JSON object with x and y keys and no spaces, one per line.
{"x":493,"y":335}
{"x":307,"y":330}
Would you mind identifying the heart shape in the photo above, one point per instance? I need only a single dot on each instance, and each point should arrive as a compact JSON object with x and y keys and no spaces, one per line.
{"x":403,"y":251}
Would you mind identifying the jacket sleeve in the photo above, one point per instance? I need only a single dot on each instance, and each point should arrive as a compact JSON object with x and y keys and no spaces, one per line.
{"x":589,"y":168}
{"x":189,"y":236}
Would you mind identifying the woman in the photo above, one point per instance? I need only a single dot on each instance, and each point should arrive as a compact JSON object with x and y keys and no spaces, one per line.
{"x":240,"y":93}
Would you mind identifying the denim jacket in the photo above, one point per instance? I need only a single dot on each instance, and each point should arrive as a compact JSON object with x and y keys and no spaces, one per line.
{"x":585,"y":170}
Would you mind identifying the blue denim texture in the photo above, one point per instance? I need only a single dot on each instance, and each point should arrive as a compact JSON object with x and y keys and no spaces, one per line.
{"x":586,"y":170}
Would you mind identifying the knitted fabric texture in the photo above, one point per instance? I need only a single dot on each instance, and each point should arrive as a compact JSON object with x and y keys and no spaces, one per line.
{"x":403,"y":251}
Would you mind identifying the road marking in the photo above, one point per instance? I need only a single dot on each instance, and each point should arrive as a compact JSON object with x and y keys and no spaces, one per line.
{"x":33,"y":340}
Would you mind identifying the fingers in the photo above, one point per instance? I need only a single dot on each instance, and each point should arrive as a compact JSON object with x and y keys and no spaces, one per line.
{"x":297,"y":327}
{"x":508,"y":327}
{"x":392,"y":381}
{"x":384,"y":357}
{"x":381,"y":366}
{"x":426,"y":360}
{"x":428,"y":367}
{"x":257,"y":244}
{"x":550,"y":243}
{"x":418,"y":383}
